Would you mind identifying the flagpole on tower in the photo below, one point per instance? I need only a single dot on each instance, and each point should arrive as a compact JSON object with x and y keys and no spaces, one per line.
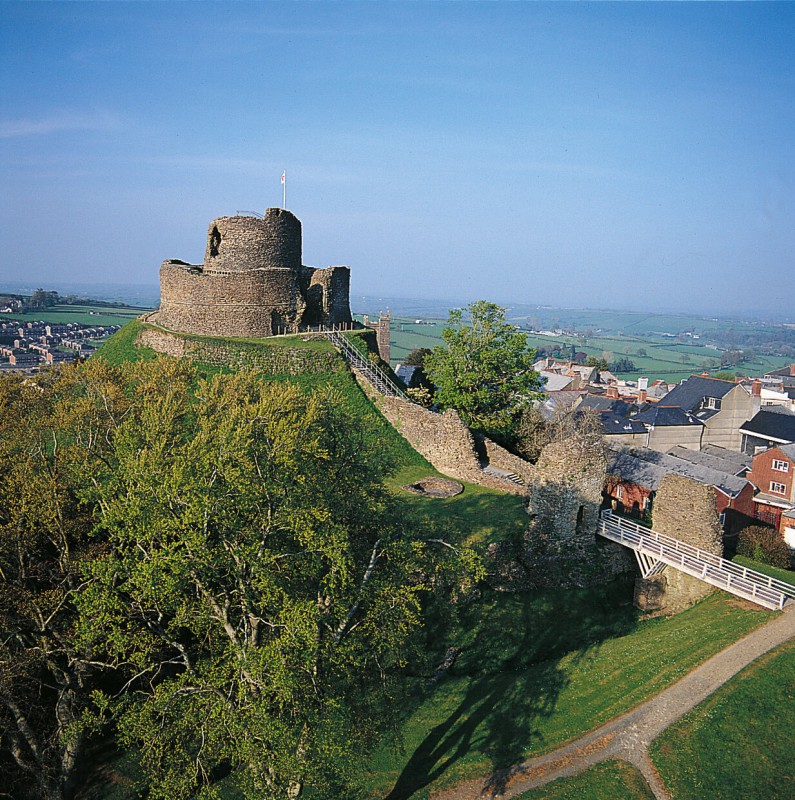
{"x":284,"y":189}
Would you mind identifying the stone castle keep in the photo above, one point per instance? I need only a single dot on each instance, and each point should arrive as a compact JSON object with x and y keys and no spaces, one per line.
{"x":252,"y":282}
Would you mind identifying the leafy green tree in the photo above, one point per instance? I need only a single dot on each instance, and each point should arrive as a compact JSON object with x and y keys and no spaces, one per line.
{"x":416,"y":357}
{"x":623,"y":364}
{"x":725,"y":375}
{"x":485,"y":370}
{"x":599,"y":363}
{"x":259,"y":588}
{"x":55,"y":434}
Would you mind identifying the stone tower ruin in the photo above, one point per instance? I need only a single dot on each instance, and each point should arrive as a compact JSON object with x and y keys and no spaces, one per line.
{"x":252,"y":282}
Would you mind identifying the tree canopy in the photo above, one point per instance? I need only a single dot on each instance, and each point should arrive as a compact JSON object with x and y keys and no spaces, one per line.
{"x":216,"y":567}
{"x":485,"y":369}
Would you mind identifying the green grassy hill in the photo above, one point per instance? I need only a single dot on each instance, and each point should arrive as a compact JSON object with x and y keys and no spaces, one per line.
{"x":535,"y":669}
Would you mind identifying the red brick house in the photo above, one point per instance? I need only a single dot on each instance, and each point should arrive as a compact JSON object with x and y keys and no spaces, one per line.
{"x":773,"y":473}
{"x":635,"y":474}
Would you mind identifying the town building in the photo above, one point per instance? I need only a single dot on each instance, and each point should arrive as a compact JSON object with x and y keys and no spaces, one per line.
{"x":773,"y":473}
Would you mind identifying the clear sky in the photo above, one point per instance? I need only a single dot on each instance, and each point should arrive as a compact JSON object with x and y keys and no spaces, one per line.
{"x":623,"y":155}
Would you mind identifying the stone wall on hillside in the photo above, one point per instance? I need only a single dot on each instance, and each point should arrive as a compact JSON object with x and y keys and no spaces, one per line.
{"x":229,"y":353}
{"x":560,"y":547}
{"x":503,"y":459}
{"x":443,"y":439}
{"x":684,"y":510}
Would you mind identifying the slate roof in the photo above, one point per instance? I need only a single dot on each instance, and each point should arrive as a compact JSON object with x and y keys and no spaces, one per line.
{"x":647,"y":468}
{"x":554,"y":382}
{"x":788,"y":450}
{"x":731,"y":466}
{"x":772,"y":500}
{"x":614,"y":424}
{"x":666,"y":415}
{"x":739,"y":461}
{"x":602,"y":403}
{"x":771,"y":422}
{"x":404,"y":372}
{"x":783,"y":372}
{"x":690,"y":393}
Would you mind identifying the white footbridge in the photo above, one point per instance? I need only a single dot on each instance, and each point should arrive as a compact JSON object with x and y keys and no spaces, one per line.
{"x":655,"y":551}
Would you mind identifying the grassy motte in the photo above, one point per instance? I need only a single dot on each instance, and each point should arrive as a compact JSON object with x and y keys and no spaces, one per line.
{"x":738,"y":742}
{"x":611,"y":780}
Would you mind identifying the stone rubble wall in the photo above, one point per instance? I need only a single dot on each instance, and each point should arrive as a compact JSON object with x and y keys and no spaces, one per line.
{"x":243,"y":304}
{"x":560,"y":547}
{"x":226,"y":353}
{"x":503,"y":459}
{"x":684,"y":510}
{"x":241,"y":243}
{"x":443,"y":439}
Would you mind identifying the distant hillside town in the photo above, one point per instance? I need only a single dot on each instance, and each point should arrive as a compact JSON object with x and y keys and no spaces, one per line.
{"x":26,"y":345}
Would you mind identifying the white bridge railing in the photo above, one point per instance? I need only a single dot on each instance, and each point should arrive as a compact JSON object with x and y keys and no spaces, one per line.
{"x":655,"y":550}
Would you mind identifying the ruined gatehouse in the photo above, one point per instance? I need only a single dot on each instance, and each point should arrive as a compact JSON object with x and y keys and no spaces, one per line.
{"x":252,"y":282}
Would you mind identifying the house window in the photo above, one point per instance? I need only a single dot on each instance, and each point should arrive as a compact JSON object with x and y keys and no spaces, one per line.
{"x":778,"y":488}
{"x":711,"y":402}
{"x":620,"y":493}
{"x":780,"y":466}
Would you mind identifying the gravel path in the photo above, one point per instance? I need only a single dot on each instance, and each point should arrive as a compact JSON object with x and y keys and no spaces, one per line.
{"x":628,"y":737}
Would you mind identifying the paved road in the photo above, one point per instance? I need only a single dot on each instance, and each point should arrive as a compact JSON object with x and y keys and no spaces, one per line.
{"x":628,"y":737}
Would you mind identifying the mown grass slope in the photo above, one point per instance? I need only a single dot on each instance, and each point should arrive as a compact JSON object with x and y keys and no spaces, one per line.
{"x":612,"y":780}
{"x":738,"y":742}
{"x":535,"y":669}
{"x":540,"y":669}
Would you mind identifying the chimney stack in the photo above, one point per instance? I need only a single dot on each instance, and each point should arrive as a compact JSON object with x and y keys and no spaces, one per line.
{"x":756,"y":388}
{"x":642,"y":395}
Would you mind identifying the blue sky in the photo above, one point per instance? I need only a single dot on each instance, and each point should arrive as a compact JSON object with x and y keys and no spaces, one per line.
{"x":622,"y":155}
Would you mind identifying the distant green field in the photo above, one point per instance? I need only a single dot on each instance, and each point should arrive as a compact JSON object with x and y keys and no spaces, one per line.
{"x":85,"y":315}
{"x":665,"y":358}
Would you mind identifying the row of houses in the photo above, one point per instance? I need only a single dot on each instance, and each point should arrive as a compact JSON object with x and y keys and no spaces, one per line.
{"x":36,"y":343}
{"x":738,"y":437}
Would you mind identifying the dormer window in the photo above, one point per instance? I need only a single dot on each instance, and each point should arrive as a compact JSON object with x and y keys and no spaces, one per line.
{"x":711,"y":402}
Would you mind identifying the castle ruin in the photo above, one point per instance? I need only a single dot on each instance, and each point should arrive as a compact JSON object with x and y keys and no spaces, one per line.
{"x":252,"y":283}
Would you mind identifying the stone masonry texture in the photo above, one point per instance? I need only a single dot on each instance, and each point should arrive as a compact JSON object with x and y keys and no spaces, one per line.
{"x":252,"y":282}
{"x":684,"y":510}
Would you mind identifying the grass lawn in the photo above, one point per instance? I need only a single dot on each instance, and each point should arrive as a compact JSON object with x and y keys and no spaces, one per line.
{"x":612,"y":780}
{"x":120,"y":348}
{"x":785,"y":575}
{"x":540,"y":669}
{"x":738,"y":742}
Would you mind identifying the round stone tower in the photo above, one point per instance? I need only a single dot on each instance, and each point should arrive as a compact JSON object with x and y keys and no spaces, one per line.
{"x":252,"y":282}
{"x":239,"y":244}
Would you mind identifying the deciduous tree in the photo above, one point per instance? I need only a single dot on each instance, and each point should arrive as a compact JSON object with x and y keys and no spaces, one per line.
{"x":485,"y":370}
{"x":260,"y":586}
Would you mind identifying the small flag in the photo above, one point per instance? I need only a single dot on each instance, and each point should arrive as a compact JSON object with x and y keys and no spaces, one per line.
{"x":284,"y":175}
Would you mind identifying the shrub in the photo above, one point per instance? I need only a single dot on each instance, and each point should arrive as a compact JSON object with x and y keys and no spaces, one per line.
{"x":765,"y":545}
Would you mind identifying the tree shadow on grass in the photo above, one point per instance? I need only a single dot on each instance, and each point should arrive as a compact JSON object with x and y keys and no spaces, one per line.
{"x":511,"y":675}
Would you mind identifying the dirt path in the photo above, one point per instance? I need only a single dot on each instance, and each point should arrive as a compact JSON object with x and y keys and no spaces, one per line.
{"x":628,"y":737}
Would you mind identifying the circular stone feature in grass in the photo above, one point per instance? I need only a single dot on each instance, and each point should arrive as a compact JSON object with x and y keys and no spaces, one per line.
{"x":435,"y":487}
